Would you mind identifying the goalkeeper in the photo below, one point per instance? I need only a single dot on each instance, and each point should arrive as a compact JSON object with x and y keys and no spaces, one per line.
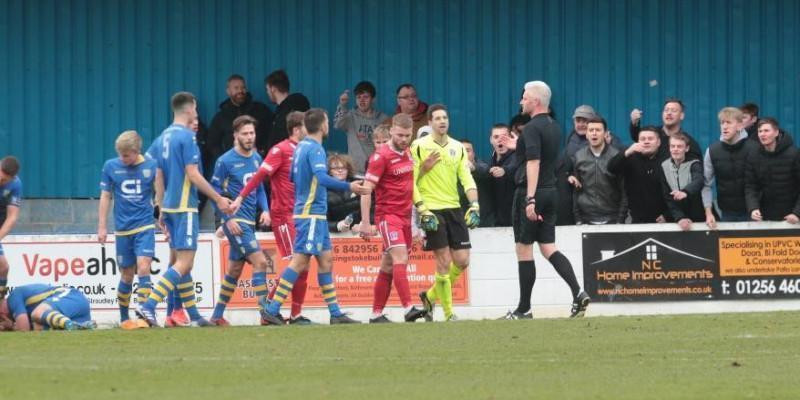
{"x":439,"y":163}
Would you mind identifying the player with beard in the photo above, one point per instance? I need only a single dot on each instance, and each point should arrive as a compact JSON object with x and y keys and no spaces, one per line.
{"x":232,"y":172}
{"x":391,"y":175}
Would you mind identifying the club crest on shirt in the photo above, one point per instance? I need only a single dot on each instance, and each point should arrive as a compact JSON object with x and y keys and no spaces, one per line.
{"x":309,"y":246}
{"x":146,"y":173}
{"x":452,"y":152}
{"x":392,"y":235}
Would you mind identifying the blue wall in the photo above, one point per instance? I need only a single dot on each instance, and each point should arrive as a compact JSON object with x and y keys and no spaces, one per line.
{"x":73,"y":74}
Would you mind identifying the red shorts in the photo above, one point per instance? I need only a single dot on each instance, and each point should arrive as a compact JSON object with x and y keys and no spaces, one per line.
{"x":395,"y":231}
{"x":283,"y":229}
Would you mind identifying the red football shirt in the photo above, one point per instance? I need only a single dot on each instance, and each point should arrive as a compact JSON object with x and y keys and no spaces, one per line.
{"x":278,"y":163}
{"x":393,"y":176}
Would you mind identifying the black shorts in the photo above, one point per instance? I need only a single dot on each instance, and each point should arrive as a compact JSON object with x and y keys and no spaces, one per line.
{"x":452,"y":232}
{"x":527,"y":231}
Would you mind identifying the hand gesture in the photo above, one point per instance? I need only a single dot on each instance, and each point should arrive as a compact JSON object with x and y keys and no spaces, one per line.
{"x":264,"y":219}
{"x":224,"y":205}
{"x":634,"y":148}
{"x":636,"y":116}
{"x":574,"y":182}
{"x":678,"y":195}
{"x":509,"y":141}
{"x":236,"y":204}
{"x":360,"y":188}
{"x":711,"y":222}
{"x":497,"y":172}
{"x":366,"y":230}
{"x":530,"y":212}
{"x":233,"y":227}
{"x":430,"y":161}
{"x":756,"y":215}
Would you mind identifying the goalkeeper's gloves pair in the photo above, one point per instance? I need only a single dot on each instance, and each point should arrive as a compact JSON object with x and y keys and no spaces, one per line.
{"x":473,"y":215}
{"x":427,"y":220}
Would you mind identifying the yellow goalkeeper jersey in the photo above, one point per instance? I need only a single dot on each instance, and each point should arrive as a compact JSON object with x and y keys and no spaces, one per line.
{"x":438,"y":188}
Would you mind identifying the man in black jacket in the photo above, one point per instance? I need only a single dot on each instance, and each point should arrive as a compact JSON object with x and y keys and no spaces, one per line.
{"x":501,"y":173}
{"x":277,"y":86}
{"x":772,"y":176}
{"x":640,"y":167}
{"x":238,"y":103}
{"x":671,"y":117}
{"x":724,"y":163}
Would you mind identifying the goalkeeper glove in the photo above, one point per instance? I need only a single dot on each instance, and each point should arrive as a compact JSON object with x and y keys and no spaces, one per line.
{"x":427,"y":219}
{"x":473,"y":215}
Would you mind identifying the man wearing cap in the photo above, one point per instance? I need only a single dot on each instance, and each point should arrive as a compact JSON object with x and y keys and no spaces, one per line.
{"x":575,"y":141}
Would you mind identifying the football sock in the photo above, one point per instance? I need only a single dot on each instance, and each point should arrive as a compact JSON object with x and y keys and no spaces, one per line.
{"x":400,"y":277}
{"x":527,"y":277}
{"x":283,"y":288}
{"x":444,"y":291}
{"x":380,"y":292}
{"x":143,"y":292}
{"x":162,"y":288}
{"x":226,"y":289}
{"x":124,"y":300}
{"x":299,"y":293}
{"x":325,"y":281}
{"x":186,"y":290}
{"x":54,"y":319}
{"x":564,"y":269}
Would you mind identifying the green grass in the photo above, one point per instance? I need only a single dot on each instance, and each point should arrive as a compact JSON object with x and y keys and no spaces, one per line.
{"x":724,"y":356}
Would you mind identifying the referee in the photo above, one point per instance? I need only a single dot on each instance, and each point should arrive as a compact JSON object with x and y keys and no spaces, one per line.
{"x":535,"y":198}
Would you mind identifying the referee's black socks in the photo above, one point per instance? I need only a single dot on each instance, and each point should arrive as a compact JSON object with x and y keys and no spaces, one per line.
{"x":564,"y":269}
{"x":527,"y":277}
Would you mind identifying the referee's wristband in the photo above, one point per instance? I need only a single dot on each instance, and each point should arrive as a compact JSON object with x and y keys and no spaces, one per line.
{"x":530,"y":200}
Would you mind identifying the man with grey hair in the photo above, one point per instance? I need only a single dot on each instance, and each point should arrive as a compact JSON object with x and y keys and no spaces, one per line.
{"x":535,"y":200}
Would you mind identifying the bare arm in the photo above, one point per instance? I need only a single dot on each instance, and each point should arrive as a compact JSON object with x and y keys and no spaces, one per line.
{"x":366,"y":203}
{"x":22,"y":323}
{"x":532,"y":172}
{"x":159,"y":187}
{"x":197,"y":179}
{"x":102,"y":216}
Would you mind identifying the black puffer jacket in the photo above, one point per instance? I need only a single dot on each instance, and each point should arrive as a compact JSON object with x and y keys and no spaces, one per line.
{"x":772,"y":180}
{"x":294,"y":102}
{"x":728,"y":161}
{"x":503,"y":188}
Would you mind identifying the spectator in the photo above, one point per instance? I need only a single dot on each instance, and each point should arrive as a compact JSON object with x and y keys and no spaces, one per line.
{"x":238,"y":103}
{"x":343,"y":207}
{"x":501,"y":175}
{"x":380,"y":136}
{"x":277,"y":86}
{"x":772,"y":176}
{"x":518,"y":122}
{"x":640,"y":168}
{"x":724,"y":163}
{"x":671,"y":117}
{"x":206,"y":166}
{"x":599,"y":196}
{"x":681,"y":184}
{"x":480,"y":174}
{"x":409,"y":103}
{"x":359,"y":123}
{"x":577,"y":138}
{"x":750,"y":120}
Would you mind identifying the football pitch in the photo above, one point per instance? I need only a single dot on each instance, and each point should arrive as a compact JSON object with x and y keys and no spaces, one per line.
{"x":721,"y":356}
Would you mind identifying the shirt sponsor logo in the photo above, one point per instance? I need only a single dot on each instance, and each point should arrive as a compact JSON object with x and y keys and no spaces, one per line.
{"x":131,"y":186}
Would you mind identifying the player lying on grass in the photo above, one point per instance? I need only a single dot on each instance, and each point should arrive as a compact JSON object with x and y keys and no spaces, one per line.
{"x":38,"y":306}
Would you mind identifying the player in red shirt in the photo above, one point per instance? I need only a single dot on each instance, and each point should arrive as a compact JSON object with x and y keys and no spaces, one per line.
{"x":391,"y":174}
{"x":276,"y":166}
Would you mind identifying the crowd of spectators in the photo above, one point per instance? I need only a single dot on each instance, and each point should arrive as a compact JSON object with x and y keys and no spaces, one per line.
{"x":664,"y":176}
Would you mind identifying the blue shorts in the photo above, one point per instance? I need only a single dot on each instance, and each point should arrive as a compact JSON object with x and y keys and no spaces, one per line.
{"x":72,"y":303}
{"x":312,"y":236}
{"x":183,"y":228}
{"x":243,"y":245}
{"x":140,"y":244}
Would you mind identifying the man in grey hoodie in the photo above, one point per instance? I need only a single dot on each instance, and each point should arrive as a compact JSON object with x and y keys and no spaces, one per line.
{"x":359,"y":123}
